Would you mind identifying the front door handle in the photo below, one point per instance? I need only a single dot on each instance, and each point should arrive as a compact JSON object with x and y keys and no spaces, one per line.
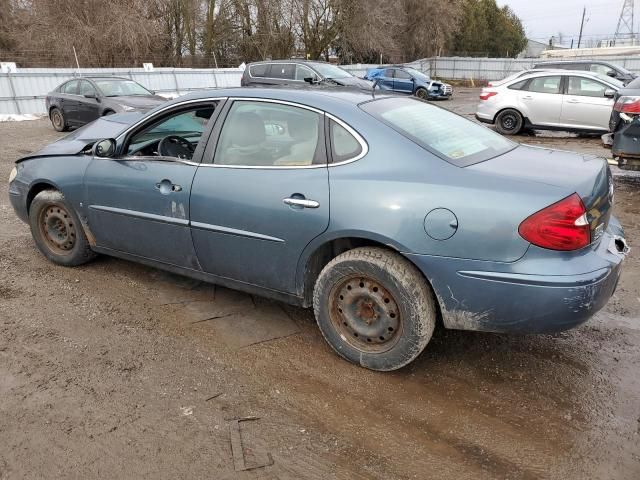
{"x":166,"y":187}
{"x":300,"y":202}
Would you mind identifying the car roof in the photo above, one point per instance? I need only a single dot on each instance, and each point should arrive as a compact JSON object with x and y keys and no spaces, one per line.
{"x":564,"y":62}
{"x":314,"y":96}
{"x":292,"y":60}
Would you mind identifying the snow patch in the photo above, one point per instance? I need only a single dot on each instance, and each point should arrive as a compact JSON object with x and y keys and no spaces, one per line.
{"x":14,"y":117}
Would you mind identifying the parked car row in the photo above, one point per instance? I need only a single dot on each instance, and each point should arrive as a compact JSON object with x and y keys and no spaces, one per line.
{"x":79,"y":101}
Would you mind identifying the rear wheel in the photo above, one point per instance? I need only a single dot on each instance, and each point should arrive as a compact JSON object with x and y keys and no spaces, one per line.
{"x":57,"y":231}
{"x":374,"y":308}
{"x":58,"y":121}
{"x":509,"y":122}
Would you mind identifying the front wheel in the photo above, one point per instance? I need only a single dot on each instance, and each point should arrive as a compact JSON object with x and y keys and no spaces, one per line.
{"x":509,"y":122}
{"x":422,"y":94}
{"x":374,"y":308}
{"x":57,"y":231}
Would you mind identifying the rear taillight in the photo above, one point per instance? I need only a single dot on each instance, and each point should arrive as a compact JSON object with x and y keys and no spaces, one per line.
{"x":627,"y":104}
{"x":561,"y":226}
{"x":487,"y":95}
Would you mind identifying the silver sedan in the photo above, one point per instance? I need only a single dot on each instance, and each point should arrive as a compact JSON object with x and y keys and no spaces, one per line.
{"x":549,"y":100}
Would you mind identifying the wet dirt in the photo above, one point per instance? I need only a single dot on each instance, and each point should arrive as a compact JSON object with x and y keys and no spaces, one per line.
{"x":117,"y":370}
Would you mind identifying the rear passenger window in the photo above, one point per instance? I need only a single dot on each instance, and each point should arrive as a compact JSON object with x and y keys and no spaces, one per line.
{"x":344,"y":146}
{"x":286,"y":71}
{"x":545,"y":85}
{"x":258,"y":70}
{"x":518,"y":85}
{"x":70,"y":88}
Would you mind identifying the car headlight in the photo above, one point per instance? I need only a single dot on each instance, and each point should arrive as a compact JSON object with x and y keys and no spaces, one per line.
{"x":127,"y":108}
{"x":13,"y":174}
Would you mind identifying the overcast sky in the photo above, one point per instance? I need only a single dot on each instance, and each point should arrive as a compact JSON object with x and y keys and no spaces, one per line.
{"x":543,"y":18}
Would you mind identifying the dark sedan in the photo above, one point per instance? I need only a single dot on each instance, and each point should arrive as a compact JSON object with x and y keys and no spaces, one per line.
{"x":624,"y":127}
{"x":382,"y":212}
{"x":80,"y":101}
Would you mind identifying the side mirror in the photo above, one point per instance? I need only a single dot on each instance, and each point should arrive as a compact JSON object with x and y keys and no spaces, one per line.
{"x":90,"y":95}
{"x":611,"y":73}
{"x":609,"y":93}
{"x":309,"y":80}
{"x":105,"y":148}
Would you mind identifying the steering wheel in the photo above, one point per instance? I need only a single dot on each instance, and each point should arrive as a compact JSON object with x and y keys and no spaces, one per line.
{"x":175,"y":146}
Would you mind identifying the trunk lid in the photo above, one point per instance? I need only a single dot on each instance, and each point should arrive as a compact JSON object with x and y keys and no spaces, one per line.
{"x":587,"y":175}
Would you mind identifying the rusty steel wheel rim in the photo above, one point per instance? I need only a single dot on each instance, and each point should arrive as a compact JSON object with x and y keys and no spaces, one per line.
{"x":58,"y":229}
{"x":365,"y":314}
{"x":57,"y":119}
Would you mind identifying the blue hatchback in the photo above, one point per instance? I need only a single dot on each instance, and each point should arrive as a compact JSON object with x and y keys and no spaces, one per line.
{"x":384,"y":213}
{"x":410,"y":81}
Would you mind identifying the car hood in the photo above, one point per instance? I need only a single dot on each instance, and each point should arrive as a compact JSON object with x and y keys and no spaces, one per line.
{"x":141,"y":102}
{"x":78,"y":140}
{"x":354,"y":82}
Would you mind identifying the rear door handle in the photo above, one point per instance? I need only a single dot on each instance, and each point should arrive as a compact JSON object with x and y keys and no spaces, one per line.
{"x":528,"y":97}
{"x":300,"y":202}
{"x":572,"y":100}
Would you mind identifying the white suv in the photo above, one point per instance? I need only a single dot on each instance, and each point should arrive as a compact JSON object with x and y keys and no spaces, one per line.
{"x":550,"y":100}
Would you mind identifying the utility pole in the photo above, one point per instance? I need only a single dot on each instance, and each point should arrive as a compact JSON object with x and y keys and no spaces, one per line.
{"x":584,"y":10}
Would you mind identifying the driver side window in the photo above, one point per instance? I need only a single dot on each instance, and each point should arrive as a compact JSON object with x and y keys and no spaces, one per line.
{"x":176,"y":135}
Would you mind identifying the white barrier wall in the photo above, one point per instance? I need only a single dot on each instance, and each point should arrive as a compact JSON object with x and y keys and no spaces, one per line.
{"x":24,"y":91}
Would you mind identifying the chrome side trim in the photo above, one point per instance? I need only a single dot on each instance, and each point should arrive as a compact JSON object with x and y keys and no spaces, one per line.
{"x":235,"y":231}
{"x":143,"y":158}
{"x":282,"y":102}
{"x":356,"y":135}
{"x":137,"y":214}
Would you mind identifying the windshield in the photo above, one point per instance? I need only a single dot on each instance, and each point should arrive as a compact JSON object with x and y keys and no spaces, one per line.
{"x":117,"y":88}
{"x":611,"y":80}
{"x":418,"y":74}
{"x":330,"y":71}
{"x":449,"y":136}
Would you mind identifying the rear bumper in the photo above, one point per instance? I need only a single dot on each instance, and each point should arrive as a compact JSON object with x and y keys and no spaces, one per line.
{"x":484,"y":119}
{"x":514,"y":301}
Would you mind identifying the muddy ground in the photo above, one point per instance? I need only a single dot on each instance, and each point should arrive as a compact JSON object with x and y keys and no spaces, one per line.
{"x":115,"y":370}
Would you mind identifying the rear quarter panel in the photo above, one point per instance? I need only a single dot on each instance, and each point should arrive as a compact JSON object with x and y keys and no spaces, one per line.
{"x":387,"y":194}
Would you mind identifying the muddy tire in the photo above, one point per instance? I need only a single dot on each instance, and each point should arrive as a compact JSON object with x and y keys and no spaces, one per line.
{"x":374,"y":308}
{"x":58,"y":121}
{"x":422,"y":94}
{"x":509,"y":122}
{"x":57,"y":231}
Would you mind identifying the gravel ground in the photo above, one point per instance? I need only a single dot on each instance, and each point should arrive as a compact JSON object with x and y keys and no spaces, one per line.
{"x":115,"y":370}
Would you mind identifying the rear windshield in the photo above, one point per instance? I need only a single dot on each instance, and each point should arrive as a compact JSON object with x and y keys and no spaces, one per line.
{"x":449,"y":136}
